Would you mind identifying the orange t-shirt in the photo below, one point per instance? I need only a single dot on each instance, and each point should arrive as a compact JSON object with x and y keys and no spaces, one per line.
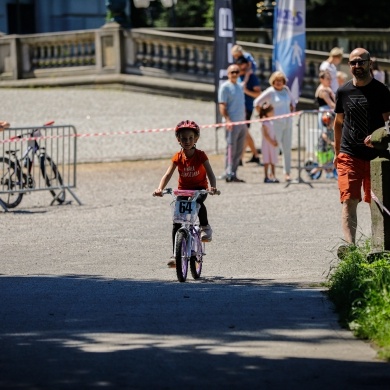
{"x":192,"y":173}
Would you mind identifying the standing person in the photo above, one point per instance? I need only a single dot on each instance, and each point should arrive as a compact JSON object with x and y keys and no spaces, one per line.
{"x":325,"y":152}
{"x":341,"y":78}
{"x":281,"y":98}
{"x":194,"y":169}
{"x":269,"y":145}
{"x":362,"y":106}
{"x":331,"y":63}
{"x":231,"y":101}
{"x":376,"y":71}
{"x":324,"y":96}
{"x":251,"y":90}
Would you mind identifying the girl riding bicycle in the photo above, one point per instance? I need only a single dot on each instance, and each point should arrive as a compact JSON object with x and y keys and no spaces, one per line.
{"x":194,"y":169}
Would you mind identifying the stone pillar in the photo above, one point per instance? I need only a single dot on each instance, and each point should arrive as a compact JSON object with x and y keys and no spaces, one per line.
{"x":380,"y":220}
{"x":109,"y":48}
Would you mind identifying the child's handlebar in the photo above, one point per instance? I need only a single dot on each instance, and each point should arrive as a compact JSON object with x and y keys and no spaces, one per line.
{"x":187,"y":192}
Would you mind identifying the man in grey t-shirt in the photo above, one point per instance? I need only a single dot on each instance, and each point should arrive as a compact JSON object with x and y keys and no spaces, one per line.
{"x":231,"y":99}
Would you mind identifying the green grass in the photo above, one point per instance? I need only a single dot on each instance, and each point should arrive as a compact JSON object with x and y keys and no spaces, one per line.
{"x":360,"y":291}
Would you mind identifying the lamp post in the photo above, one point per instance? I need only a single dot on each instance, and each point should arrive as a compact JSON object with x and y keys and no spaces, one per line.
{"x":116,"y":9}
{"x":265,"y":11}
{"x":166,"y":3}
{"x":146,"y":3}
{"x":116,"y":12}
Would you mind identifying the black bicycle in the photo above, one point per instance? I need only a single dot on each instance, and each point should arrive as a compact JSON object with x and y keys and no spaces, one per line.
{"x":17,"y":174}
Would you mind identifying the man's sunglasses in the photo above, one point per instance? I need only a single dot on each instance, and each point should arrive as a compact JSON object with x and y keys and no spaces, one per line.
{"x":234,"y":72}
{"x":358,"y":62}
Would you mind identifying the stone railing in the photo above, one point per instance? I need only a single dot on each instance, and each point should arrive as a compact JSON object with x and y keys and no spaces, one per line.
{"x":169,"y":55}
{"x":377,"y":41}
{"x":25,"y":56}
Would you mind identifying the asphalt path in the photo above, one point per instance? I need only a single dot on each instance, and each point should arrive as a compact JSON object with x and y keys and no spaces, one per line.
{"x":87,"y":300}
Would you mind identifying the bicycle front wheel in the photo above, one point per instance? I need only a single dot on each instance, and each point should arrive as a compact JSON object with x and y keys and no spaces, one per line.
{"x":181,"y":257}
{"x":11,"y":180}
{"x":52,"y":177}
{"x":196,"y":261}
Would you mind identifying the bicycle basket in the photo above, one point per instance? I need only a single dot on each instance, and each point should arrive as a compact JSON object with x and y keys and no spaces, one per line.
{"x":185,"y":211}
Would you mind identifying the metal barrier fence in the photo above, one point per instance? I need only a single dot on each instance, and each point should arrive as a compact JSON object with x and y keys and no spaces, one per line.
{"x":37,"y":159}
{"x":315,"y":146}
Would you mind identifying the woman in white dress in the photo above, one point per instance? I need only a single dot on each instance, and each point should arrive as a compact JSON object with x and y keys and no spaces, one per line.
{"x":283,"y":102}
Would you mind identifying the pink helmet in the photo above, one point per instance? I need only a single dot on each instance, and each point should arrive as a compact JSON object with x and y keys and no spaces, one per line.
{"x":187,"y":125}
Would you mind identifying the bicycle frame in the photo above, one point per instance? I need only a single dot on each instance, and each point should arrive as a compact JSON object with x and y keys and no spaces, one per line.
{"x":190,"y":229}
{"x":27,"y":159}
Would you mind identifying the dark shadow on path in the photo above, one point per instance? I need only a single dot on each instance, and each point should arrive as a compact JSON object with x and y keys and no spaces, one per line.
{"x":81,"y":332}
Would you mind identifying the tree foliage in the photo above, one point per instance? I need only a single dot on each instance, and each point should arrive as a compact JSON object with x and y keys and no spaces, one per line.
{"x":319,"y":13}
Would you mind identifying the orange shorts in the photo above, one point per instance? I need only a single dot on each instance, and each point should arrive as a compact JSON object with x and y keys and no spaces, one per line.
{"x":353,"y":174}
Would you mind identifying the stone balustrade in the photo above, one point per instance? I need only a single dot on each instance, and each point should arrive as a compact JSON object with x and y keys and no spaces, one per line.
{"x":168,"y":54}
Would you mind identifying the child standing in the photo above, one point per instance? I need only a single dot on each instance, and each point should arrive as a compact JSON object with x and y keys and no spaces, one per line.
{"x":237,"y":51}
{"x":325,"y":153}
{"x":194,"y":169}
{"x":269,"y":145}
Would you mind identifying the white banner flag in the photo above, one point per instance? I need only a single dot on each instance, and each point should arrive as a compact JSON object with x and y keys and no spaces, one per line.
{"x":290,"y":42}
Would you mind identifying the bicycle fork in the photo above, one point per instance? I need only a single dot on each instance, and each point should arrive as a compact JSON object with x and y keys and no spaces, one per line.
{"x":194,"y":245}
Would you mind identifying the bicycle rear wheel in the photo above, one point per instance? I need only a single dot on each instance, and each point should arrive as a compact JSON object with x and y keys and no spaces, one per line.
{"x":196,"y":261}
{"x":181,"y":257}
{"x":11,"y":180}
{"x":52,"y":177}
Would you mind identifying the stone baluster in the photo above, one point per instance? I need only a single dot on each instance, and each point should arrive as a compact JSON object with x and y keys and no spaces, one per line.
{"x":83,"y":57}
{"x":140,"y":52}
{"x":156,"y":55}
{"x":200,"y":64}
{"x":191,"y":59}
{"x":148,"y":58}
{"x":35,"y":57}
{"x":164,"y":56}
{"x":74,"y":53}
{"x":56,"y":60}
{"x":49,"y":55}
{"x":91,"y":53}
{"x":68,"y":53}
{"x":41,"y":56}
{"x":181,"y":51}
{"x":63,"y":54}
{"x":209,"y":65}
{"x":173,"y":58}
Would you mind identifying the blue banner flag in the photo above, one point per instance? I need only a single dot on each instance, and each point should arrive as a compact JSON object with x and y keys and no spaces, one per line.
{"x":290,"y":42}
{"x":224,"y":39}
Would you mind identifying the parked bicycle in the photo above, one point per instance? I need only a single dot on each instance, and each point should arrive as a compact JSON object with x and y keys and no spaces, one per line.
{"x":17,"y":174}
{"x":188,"y":246}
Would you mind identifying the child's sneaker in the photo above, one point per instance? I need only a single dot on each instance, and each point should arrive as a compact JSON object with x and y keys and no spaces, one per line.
{"x":206,"y":233}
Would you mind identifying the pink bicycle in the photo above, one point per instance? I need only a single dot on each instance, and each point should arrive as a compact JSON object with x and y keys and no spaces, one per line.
{"x":188,"y":247}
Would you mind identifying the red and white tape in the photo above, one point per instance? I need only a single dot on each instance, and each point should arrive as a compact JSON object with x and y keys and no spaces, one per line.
{"x":158,"y":130}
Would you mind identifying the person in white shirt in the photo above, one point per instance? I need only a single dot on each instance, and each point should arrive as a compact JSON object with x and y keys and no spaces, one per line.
{"x":334,"y":59}
{"x":376,"y":71}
